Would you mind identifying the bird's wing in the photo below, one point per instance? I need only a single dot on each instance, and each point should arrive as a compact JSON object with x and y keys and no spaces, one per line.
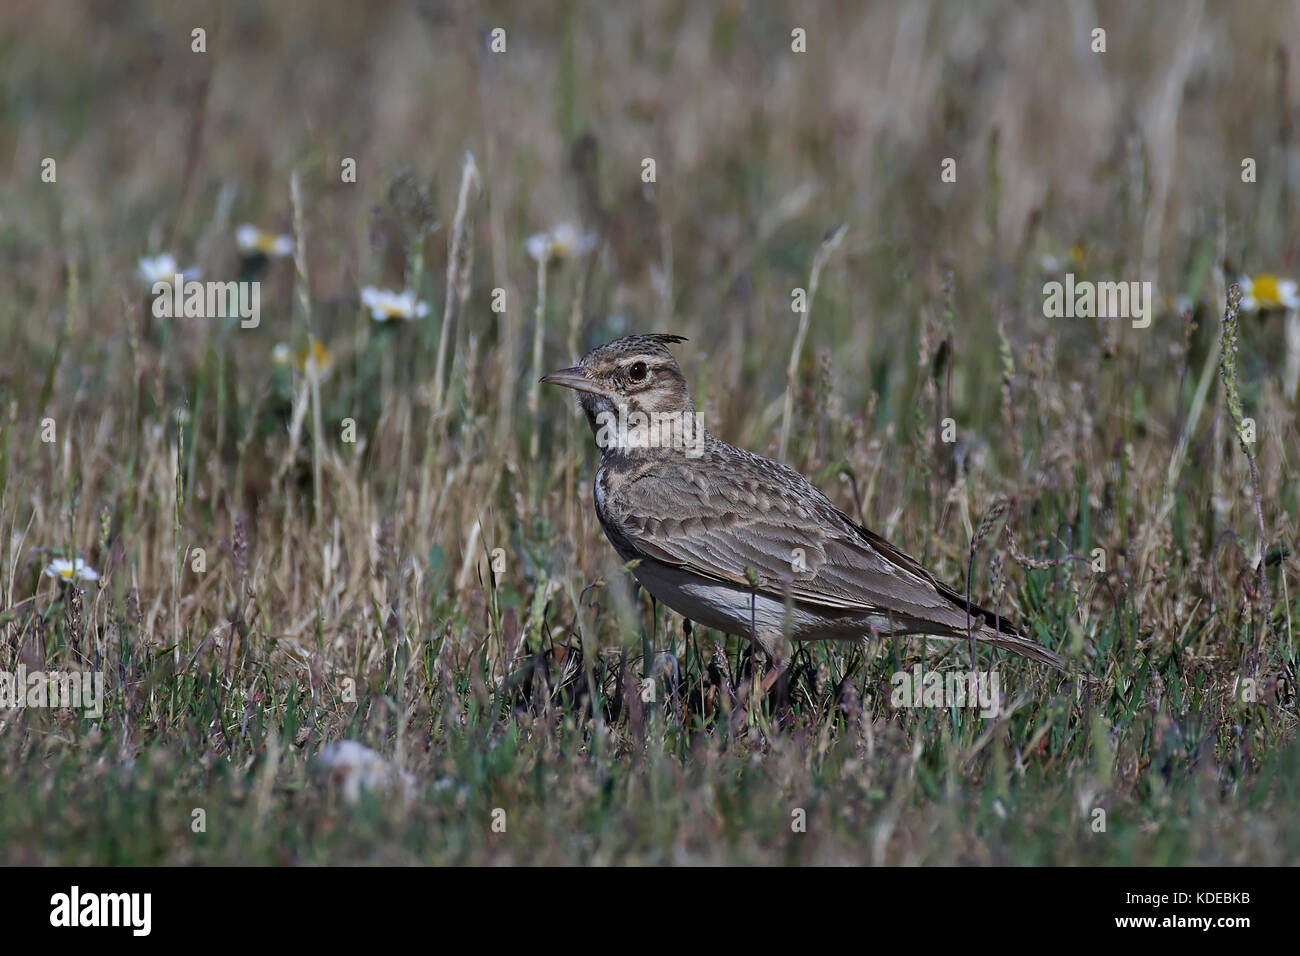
{"x":764,"y":526}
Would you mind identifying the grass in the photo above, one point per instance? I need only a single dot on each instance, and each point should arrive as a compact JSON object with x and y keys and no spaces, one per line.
{"x":439,"y":588}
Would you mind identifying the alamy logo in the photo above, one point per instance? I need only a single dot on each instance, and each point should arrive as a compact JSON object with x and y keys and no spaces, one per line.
{"x":103,"y":909}
{"x":922,"y":688}
{"x":681,"y":430}
{"x":208,"y":300}
{"x":66,"y":689}
{"x":1098,"y":300}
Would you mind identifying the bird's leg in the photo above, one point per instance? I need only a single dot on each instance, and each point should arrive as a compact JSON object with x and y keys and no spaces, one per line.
{"x":778,"y":678}
{"x":755,"y":688}
{"x":755,"y":699}
{"x":724,"y":671}
{"x":777,"y":650}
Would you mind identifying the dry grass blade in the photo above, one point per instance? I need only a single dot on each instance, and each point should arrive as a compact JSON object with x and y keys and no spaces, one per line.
{"x":832,"y":241}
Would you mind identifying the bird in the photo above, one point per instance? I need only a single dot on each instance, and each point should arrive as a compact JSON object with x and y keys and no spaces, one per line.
{"x":740,"y":543}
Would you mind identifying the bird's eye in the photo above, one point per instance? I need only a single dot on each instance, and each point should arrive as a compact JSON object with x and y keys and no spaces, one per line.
{"x":637,"y":372}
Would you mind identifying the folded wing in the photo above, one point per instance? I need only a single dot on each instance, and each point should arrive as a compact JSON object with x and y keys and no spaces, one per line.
{"x":766,"y":527}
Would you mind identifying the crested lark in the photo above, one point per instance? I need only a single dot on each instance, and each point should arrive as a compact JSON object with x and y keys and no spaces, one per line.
{"x":738,"y":542}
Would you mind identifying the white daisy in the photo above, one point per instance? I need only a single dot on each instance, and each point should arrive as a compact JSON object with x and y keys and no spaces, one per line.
{"x":1267,"y":291}
{"x":353,"y":768}
{"x":312,"y":357}
{"x":71,"y":571}
{"x":386,"y":306}
{"x":253,"y":242}
{"x":562,"y":242}
{"x":162,"y":268}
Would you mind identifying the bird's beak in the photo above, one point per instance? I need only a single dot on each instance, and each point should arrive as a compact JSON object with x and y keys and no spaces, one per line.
{"x":575,"y":378}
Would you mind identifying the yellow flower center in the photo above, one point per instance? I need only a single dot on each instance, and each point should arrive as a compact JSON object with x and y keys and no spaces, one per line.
{"x":1264,"y":289}
{"x":316,"y":354}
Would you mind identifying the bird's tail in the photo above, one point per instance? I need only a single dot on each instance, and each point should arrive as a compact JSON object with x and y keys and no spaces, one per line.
{"x":1020,"y":645}
{"x":1010,"y":640}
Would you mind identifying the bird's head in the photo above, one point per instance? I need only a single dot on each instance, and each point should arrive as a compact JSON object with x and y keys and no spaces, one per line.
{"x":631,"y":376}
